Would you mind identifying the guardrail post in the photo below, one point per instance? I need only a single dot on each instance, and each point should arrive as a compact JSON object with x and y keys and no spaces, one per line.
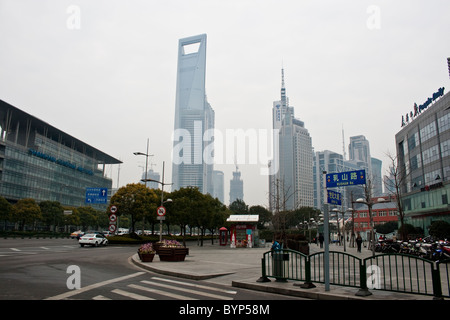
{"x":363,"y":290}
{"x":308,"y":283}
{"x":263,"y":277}
{"x":436,"y":277}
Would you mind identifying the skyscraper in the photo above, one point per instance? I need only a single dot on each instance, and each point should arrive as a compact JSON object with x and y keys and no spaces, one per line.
{"x":236,"y":187}
{"x":194,"y":119}
{"x":291,"y":186}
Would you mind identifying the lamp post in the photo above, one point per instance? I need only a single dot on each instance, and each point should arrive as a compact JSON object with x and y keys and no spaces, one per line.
{"x":370,"y":204}
{"x":146,"y":170}
{"x":343,"y":224}
{"x":162,"y":199}
{"x":352,"y":237}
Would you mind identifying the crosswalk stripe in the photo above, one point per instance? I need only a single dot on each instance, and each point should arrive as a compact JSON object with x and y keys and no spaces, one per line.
{"x":200,"y":293}
{"x":131,"y":295}
{"x":168,"y":294}
{"x":195,"y":285}
{"x":100,"y":297}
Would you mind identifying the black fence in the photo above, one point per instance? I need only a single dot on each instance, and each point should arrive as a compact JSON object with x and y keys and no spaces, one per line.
{"x":391,"y":272}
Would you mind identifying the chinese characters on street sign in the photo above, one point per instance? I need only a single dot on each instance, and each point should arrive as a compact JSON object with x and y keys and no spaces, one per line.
{"x":349,"y":178}
{"x":334,"y":198}
{"x":97,"y":195}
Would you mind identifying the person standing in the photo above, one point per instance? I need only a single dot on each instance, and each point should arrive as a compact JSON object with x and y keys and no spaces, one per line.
{"x":359,"y":242}
{"x":321,"y":239}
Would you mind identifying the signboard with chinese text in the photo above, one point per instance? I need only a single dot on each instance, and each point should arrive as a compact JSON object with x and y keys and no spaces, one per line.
{"x":349,"y":178}
{"x":334,"y":198}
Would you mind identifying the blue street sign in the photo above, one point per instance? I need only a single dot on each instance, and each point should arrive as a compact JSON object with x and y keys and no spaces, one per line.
{"x":349,"y":178}
{"x":334,"y":198}
{"x":97,"y":195}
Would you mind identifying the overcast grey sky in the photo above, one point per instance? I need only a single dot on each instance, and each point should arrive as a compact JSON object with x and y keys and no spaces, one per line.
{"x":105,"y":71}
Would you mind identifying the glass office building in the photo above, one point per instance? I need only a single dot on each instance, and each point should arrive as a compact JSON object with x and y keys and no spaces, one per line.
{"x":41,"y":162}
{"x":423,"y":149}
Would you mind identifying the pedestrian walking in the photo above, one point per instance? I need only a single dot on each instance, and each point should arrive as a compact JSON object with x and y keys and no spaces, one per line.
{"x":359,"y":242}
{"x":321,"y":239}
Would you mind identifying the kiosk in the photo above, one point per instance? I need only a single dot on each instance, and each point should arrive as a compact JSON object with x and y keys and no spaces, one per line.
{"x":243,"y":230}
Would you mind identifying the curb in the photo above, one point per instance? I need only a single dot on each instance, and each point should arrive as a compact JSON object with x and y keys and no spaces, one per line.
{"x":136,"y":261}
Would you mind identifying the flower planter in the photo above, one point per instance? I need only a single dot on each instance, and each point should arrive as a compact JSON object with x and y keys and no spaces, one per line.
{"x":172,"y":254}
{"x":146,"y":257}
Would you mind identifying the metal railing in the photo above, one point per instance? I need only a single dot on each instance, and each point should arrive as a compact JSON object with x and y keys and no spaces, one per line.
{"x":390,"y":272}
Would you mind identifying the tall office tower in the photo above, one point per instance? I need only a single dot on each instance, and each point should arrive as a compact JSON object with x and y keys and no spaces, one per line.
{"x":291,"y":186}
{"x":193,"y":117}
{"x":359,"y":150}
{"x":236,"y":187}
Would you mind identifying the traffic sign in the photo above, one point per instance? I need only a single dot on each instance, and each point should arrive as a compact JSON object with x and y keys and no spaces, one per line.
{"x":161,"y":211}
{"x":97,"y":195}
{"x":112,"y":228}
{"x":112,"y":217}
{"x":334,"y":197}
{"x":349,"y":178}
{"x":113,"y":209}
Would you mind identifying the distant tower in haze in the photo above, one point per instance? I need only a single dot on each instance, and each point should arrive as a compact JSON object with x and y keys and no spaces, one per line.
{"x":236,"y":187}
{"x":193,"y":117}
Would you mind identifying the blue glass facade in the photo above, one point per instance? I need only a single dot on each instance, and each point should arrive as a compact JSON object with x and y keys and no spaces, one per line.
{"x":41,"y":162}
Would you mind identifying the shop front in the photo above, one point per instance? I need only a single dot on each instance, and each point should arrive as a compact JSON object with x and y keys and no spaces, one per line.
{"x":243,"y":231}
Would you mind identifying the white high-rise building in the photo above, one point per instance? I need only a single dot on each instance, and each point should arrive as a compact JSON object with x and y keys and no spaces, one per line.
{"x":193,"y":117}
{"x":291,"y":187}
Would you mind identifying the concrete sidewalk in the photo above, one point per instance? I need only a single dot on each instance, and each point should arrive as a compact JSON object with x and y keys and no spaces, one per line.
{"x":241,"y":267}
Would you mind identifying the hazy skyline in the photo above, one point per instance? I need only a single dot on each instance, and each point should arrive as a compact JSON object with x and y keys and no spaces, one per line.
{"x":105,"y":71}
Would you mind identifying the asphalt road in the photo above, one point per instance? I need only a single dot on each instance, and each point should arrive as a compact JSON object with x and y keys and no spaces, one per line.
{"x":59,"y":269}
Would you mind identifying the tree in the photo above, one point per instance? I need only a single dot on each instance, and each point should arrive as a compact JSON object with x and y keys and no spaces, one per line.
{"x":25,"y":211}
{"x":264,"y":215}
{"x":135,"y":200}
{"x":87,"y":216}
{"x":52,"y":213}
{"x":5,"y":211}
{"x":395,"y":184}
{"x":440,"y":229}
{"x":238,"y":206}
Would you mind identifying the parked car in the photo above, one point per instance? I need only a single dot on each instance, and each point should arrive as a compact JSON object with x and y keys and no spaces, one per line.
{"x":93,"y":239}
{"x":76,"y":234}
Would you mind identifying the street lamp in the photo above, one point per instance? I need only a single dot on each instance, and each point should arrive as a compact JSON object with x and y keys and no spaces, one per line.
{"x":336,"y":210}
{"x":146,"y":165}
{"x":370,"y":204}
{"x":162,"y":199}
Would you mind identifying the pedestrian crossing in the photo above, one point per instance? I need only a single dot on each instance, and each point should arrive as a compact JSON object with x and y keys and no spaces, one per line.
{"x":158,"y":288}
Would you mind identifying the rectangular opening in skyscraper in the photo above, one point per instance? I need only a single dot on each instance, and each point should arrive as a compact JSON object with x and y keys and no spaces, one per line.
{"x":190,"y":48}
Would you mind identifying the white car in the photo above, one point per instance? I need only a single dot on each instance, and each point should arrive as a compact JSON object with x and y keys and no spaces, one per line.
{"x":93,"y":239}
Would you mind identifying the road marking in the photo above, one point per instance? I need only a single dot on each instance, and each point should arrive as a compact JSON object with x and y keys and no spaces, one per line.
{"x":100,"y":297}
{"x":93,"y":286}
{"x":45,"y":248}
{"x":168,"y":294}
{"x":131,"y":295}
{"x":15,"y":249}
{"x":200,"y":293}
{"x":196,"y":285}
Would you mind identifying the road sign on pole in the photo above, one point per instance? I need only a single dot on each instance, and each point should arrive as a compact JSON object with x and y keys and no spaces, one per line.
{"x":161,"y":211}
{"x":334,"y":198}
{"x":96,"y":195}
{"x":349,"y":178}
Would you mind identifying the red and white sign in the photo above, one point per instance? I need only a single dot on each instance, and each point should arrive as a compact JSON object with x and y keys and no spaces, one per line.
{"x":112,"y":218}
{"x":113,"y":209}
{"x":112,"y":228}
{"x":161,"y":211}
